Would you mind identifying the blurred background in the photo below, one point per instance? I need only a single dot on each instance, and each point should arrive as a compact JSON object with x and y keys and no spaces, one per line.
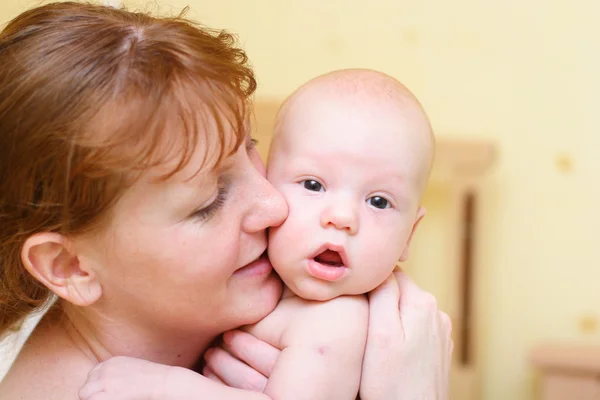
{"x":509,"y":246}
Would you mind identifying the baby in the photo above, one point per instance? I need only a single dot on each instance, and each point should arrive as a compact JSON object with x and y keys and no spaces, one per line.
{"x":351,"y":154}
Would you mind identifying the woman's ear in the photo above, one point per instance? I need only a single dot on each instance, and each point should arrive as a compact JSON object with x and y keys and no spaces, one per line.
{"x":419,"y":217}
{"x":51,"y":258}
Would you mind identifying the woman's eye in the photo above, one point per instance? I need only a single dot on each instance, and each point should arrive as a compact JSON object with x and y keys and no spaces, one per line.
{"x":251,"y":143}
{"x":210,"y":210}
{"x":378,"y":202}
{"x":312,"y":185}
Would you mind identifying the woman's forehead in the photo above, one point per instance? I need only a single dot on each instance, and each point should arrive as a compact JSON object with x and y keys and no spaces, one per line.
{"x":190,"y":161}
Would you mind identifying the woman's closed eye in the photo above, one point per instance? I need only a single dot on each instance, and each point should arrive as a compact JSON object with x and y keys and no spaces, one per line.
{"x":208,"y":211}
{"x":251,"y":144}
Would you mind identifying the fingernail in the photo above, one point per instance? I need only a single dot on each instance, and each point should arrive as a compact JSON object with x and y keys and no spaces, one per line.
{"x":227,"y":337}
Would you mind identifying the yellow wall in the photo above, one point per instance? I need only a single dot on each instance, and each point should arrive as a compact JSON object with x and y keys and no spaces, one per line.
{"x":522,"y":73}
{"x":10,"y":8}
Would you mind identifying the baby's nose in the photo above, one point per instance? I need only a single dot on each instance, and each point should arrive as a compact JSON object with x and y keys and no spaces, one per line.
{"x":342,"y":216}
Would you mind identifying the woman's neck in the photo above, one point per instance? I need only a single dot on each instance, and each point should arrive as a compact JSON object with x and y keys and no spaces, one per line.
{"x":100,"y":337}
{"x":66,"y":344}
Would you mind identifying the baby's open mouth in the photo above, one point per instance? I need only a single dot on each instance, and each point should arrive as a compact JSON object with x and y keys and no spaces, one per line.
{"x":331,"y":258}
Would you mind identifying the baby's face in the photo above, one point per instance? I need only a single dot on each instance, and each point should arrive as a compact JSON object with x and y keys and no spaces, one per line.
{"x":349,"y":173}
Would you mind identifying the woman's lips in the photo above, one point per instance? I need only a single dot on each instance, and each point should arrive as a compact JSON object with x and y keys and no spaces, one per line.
{"x":260,"y":267}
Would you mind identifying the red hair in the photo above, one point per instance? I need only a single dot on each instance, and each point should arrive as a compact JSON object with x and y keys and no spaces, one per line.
{"x":90,"y":97}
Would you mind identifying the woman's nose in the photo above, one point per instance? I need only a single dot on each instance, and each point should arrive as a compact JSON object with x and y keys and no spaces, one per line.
{"x":267,"y":207}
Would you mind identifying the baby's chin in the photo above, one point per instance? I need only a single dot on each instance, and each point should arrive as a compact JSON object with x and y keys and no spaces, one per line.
{"x":318,"y":296}
{"x":318,"y":290}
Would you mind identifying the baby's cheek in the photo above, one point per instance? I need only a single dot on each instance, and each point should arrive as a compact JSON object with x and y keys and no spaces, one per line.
{"x":278,"y":242}
{"x":381,"y":256}
{"x":284,"y":236}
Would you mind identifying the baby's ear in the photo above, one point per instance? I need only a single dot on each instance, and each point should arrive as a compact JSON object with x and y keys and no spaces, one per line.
{"x":51,"y":258}
{"x":420,"y":215}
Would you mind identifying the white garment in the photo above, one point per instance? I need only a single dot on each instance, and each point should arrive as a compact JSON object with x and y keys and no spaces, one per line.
{"x":11,"y":345}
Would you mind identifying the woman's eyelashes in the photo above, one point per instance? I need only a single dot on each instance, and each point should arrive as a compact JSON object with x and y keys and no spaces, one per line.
{"x":251,"y":143}
{"x":210,"y":210}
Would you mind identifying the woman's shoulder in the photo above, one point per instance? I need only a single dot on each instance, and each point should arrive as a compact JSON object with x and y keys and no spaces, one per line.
{"x":48,"y":367}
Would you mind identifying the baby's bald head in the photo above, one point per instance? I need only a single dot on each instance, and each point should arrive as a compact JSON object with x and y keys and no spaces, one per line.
{"x":359,"y":93}
{"x":351,"y":155}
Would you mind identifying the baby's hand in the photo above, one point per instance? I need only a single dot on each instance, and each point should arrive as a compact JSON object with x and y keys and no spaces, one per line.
{"x":125,"y":378}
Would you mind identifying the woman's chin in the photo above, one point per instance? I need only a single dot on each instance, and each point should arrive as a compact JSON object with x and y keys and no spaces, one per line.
{"x":263,"y":302}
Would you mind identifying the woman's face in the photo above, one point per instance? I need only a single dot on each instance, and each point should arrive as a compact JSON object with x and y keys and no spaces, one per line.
{"x":185,"y":254}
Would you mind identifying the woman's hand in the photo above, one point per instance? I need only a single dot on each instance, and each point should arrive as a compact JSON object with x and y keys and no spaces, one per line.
{"x":244,"y":362}
{"x":409,"y":348}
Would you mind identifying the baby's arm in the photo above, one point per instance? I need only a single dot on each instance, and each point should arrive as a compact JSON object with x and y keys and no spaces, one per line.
{"x":323,"y":351}
{"x":126,"y":378}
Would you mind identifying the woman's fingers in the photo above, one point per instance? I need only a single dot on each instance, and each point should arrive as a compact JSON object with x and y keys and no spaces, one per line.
{"x":233,"y":372}
{"x":257,"y":354}
{"x":384,"y":318}
{"x":208,"y":373}
{"x":408,"y":345}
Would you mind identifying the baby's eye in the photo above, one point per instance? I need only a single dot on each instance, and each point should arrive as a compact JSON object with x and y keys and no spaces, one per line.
{"x":312,"y":185}
{"x":378,"y":202}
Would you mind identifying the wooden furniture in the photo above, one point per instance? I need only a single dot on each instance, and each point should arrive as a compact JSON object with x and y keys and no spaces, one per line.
{"x":568,"y":372}
{"x":461,"y":167}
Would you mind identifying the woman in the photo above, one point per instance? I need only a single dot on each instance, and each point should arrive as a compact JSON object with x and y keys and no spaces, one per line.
{"x":130,"y":189}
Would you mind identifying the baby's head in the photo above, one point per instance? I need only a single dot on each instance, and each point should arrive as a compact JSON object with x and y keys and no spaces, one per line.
{"x":351,"y":153}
